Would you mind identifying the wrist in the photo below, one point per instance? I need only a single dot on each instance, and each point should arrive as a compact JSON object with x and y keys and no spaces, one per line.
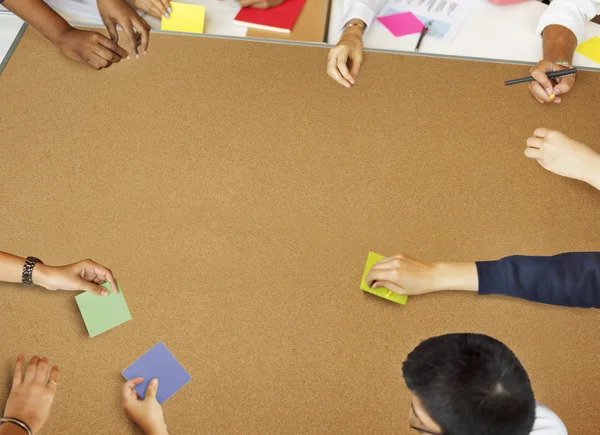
{"x":157,"y":430}
{"x":455,"y":276}
{"x":58,"y":37}
{"x":354,"y":27}
{"x":559,"y":44}
{"x":41,"y":274}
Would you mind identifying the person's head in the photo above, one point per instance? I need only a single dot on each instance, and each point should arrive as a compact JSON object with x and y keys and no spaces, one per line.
{"x":468,"y":384}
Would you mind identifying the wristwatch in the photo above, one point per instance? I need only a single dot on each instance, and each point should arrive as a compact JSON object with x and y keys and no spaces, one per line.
{"x":30,"y":263}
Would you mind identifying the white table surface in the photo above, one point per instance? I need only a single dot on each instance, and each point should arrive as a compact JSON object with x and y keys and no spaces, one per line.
{"x":10,"y":29}
{"x":492,"y":32}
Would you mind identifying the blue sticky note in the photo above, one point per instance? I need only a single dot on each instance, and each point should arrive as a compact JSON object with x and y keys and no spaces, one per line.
{"x":158,"y":363}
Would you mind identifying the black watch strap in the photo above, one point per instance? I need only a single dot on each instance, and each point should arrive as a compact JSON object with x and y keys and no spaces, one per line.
{"x":30,"y":263}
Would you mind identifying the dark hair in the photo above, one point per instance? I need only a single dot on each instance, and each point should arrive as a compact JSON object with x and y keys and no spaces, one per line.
{"x":471,"y":384}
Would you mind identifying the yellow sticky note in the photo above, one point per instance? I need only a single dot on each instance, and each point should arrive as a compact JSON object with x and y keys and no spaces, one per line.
{"x":590,"y":49}
{"x":381,"y":292}
{"x":184,"y":18}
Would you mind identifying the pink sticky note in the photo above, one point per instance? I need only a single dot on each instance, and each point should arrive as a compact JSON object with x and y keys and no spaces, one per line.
{"x":404,"y":23}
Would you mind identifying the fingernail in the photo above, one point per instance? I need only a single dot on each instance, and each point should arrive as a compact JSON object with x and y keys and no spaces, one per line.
{"x":556,"y":101}
{"x":170,"y":9}
{"x":549,"y":90}
{"x":154,"y":382}
{"x":347,"y":85}
{"x":129,"y":57}
{"x":137,"y":56}
{"x":556,"y":91}
{"x":104,"y":292}
{"x":167,"y":15}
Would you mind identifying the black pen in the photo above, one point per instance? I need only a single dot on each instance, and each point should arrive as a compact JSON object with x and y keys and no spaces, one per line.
{"x":425,"y":30}
{"x":551,"y":75}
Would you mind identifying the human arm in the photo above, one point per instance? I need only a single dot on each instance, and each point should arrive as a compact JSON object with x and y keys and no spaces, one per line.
{"x":31,"y":396}
{"x":147,"y":413}
{"x":84,"y":275}
{"x":562,"y":26}
{"x":348,"y":52}
{"x":260,"y":4}
{"x":89,"y":48}
{"x":564,"y":156}
{"x":571,"y":279}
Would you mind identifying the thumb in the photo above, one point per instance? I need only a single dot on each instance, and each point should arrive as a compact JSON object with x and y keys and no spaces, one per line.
{"x":152,"y":389}
{"x":112,"y":30}
{"x":92,"y":287}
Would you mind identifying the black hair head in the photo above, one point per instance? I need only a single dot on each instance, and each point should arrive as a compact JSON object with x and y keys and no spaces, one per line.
{"x":471,"y":384}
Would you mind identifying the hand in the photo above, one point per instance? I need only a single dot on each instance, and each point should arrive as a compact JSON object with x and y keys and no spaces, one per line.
{"x":156,"y":8}
{"x":543,"y":87}
{"x":260,"y":4}
{"x":84,"y":275}
{"x":146,"y":413}
{"x":349,"y":48}
{"x":562,"y":155}
{"x":403,"y":274}
{"x":90,"y":48}
{"x":30,"y":399}
{"x":408,"y":276}
{"x":115,"y":12}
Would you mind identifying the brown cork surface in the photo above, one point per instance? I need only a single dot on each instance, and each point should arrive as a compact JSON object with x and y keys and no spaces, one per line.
{"x":310,"y":26}
{"x":235,"y":191}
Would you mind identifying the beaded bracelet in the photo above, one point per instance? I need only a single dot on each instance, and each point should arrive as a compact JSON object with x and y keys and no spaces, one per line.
{"x":563,"y":63}
{"x":18,"y":422}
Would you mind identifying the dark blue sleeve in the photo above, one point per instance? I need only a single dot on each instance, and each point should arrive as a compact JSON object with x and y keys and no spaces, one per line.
{"x":570,"y":280}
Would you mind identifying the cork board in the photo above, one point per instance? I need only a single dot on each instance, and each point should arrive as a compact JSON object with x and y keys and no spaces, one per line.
{"x":310,"y":27}
{"x":235,"y":190}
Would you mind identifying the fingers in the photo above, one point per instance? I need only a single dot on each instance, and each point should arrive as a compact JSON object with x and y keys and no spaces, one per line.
{"x":107,"y":57}
{"x":144,"y":29}
{"x":540,"y":95}
{"x":128,"y":391}
{"x":541,"y":132}
{"x":152,"y":389}
{"x":92,"y":271}
{"x":565,"y":84}
{"x":541,"y":77}
{"x":91,"y":287}
{"x":31,"y":369}
{"x":42,"y":371}
{"x":333,"y":70}
{"x":535,"y":142}
{"x":128,"y":29}
{"x":112,"y":30}
{"x":533,"y":153}
{"x":390,"y":286}
{"x":161,"y":6}
{"x":18,"y":375}
{"x":53,"y":379}
{"x":342,"y":66}
{"x":356,"y":62}
{"x":115,"y":48}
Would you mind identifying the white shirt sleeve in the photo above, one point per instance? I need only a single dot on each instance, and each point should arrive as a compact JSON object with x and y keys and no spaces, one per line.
{"x":571,"y":14}
{"x":547,"y":422}
{"x":364,"y":10}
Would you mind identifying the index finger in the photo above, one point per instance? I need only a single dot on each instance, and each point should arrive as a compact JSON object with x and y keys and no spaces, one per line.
{"x":565,"y":84}
{"x":144,"y":29}
{"x":541,"y":77}
{"x":539,"y":93}
{"x":114,"y":47}
{"x":128,"y":29}
{"x":342,"y":66}
{"x":18,"y":375}
{"x":128,"y":387}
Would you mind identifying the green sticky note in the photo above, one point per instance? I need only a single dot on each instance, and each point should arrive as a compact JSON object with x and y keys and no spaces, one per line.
{"x":101,"y":313}
{"x":590,"y":49}
{"x":381,"y":292}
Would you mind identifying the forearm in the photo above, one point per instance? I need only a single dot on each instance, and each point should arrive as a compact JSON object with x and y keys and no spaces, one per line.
{"x":40,"y":16}
{"x":559,"y":43}
{"x":456,"y":276}
{"x":11,"y":270}
{"x":593,"y":175}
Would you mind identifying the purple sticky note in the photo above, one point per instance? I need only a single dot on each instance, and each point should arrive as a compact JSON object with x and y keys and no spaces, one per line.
{"x":404,"y":23}
{"x":158,"y":363}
